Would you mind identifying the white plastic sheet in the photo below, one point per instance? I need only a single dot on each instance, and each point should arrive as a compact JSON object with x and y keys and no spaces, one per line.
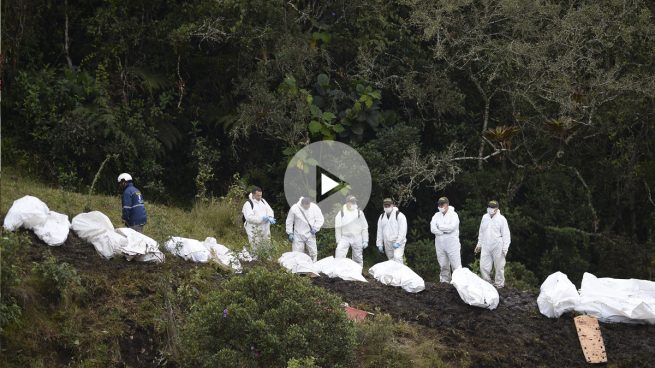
{"x":473,"y":290}
{"x":617,"y":300}
{"x":140,"y":247}
{"x":203,"y":252}
{"x":396,"y":274}
{"x":297,"y":262}
{"x":31,"y":213}
{"x":96,"y":228}
{"x":343,"y":268}
{"x":27,"y":212}
{"x":558,"y":295}
{"x":188,"y":249}
{"x":54,"y":231}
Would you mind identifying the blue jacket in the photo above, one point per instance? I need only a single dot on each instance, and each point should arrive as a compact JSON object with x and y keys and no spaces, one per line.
{"x":134,"y":210}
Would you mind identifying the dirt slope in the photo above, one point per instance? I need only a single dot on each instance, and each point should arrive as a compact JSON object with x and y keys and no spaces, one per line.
{"x":513,"y":335}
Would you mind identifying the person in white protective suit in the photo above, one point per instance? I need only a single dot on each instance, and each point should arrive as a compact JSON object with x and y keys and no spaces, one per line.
{"x":351,"y":231}
{"x":493,"y":241}
{"x":392,"y":232}
{"x":445,"y":227}
{"x":258,"y":218}
{"x":303,"y":222}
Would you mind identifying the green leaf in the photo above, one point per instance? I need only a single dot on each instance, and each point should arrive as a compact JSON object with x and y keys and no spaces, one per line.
{"x":359,"y":88}
{"x":323,"y":80}
{"x":328,"y":116}
{"x":338,"y":128}
{"x":310,"y":99}
{"x":316,"y":112}
{"x":315,"y":127}
{"x":376,"y":94}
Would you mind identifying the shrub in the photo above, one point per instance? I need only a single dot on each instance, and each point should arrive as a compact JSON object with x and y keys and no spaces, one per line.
{"x":422,"y":258}
{"x":264,"y":319}
{"x":58,"y":281}
{"x":9,"y":250}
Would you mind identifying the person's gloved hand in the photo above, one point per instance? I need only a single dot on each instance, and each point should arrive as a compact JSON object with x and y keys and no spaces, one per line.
{"x":477,"y":249}
{"x":271,"y":220}
{"x":265,"y":218}
{"x":505,"y":252}
{"x":396,"y":245}
{"x":380,"y":248}
{"x":290,"y":237}
{"x":365,"y":244}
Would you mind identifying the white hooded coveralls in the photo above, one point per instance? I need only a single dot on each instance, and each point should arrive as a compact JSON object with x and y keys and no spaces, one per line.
{"x":445,"y":227}
{"x":392,"y":228}
{"x":257,"y":228}
{"x":350,"y":230}
{"x":494,"y":239}
{"x":297,"y":225}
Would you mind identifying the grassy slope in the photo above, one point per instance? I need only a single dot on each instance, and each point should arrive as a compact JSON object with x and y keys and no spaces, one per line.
{"x":129,"y":314}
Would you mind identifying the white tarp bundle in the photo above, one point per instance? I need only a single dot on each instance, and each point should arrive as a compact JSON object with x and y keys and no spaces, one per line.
{"x":297,"y":262}
{"x":343,"y":268}
{"x":396,"y":274}
{"x":473,"y":290}
{"x":32,"y":214}
{"x":140,"y":247}
{"x":617,"y":300}
{"x":96,"y":228}
{"x":558,"y":295}
{"x":203,"y":252}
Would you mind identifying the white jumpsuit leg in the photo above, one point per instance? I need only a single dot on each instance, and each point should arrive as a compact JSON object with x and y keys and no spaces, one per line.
{"x":394,"y":254}
{"x":493,"y":256}
{"x":448,"y":255}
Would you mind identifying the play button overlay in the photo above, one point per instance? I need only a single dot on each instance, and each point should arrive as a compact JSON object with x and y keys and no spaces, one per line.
{"x":327,"y":172}
{"x":329,"y":183}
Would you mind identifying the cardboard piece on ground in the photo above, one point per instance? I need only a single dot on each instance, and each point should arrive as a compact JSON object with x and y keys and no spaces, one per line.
{"x":591,"y":339}
{"x":355,"y":314}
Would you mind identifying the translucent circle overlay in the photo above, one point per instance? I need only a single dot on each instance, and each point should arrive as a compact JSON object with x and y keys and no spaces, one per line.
{"x":317,"y":167}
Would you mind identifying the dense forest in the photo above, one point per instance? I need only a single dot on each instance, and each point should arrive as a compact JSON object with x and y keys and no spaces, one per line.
{"x":546,"y":106}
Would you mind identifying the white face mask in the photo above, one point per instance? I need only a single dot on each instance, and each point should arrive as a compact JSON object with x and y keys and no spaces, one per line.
{"x":443,"y":209}
{"x":491,"y":211}
{"x":388,"y":210}
{"x":353,"y":207}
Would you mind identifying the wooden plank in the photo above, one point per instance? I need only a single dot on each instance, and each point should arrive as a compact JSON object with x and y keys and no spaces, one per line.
{"x":591,"y":339}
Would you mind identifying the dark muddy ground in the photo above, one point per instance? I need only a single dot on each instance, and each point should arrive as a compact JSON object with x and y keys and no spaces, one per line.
{"x":513,"y":335}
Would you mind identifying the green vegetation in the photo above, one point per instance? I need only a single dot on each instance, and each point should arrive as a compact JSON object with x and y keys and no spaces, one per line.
{"x":266,"y":318}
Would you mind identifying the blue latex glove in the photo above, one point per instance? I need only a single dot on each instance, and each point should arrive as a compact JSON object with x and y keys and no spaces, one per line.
{"x":271,"y":220}
{"x":396,"y":245}
{"x":291,"y":237}
{"x":365,"y":244}
{"x":312,"y":231}
{"x":380,"y":249}
{"x":265,"y":218}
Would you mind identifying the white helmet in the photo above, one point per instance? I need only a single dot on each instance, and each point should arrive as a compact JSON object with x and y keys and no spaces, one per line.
{"x":124,"y":176}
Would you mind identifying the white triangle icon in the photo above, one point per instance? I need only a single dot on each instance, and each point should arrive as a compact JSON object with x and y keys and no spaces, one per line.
{"x":327,"y":184}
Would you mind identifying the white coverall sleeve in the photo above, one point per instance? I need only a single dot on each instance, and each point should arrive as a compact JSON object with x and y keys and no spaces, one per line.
{"x":318,"y":219}
{"x":364,"y":225}
{"x":402,"y":228}
{"x":433,"y":226}
{"x":507,"y":238}
{"x":379,"y":237}
{"x":480,"y":232}
{"x":337,"y":227}
{"x":269,"y":211}
{"x":451,"y":225}
{"x":249,"y":214}
{"x":289,"y":223}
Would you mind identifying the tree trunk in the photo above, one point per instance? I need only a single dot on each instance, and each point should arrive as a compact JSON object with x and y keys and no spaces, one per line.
{"x":485,"y":123}
{"x":66,"y":39}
